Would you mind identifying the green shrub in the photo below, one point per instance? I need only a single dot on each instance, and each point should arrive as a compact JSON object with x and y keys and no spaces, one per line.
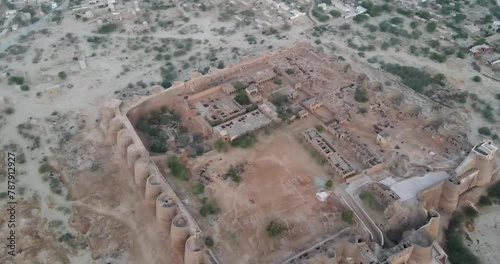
{"x":62,"y":75}
{"x":335,"y":13}
{"x":329,"y":184}
{"x":242,"y":98}
{"x":44,"y":168}
{"x":16,"y":80}
{"x":484,"y":200}
{"x":277,"y":81}
{"x":476,"y":78}
{"x":319,"y":127}
{"x":198,"y":189}
{"x":234,"y":173}
{"x":347,"y":216}
{"x":275,"y":229}
{"x":361,"y":94}
{"x":497,"y":96}
{"x":220,"y":145}
{"x":178,"y":169}
{"x":431,"y":26}
{"x":208,"y":207}
{"x":360,"y":18}
{"x":484,"y":131}
{"x":108,"y":28}
{"x":470,"y":212}
{"x":25,"y":87}
{"x":209,"y":241}
{"x":245,"y":141}
{"x":458,"y":253}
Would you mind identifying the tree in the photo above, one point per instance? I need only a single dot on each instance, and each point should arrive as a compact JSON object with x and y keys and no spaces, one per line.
{"x":335,"y":13}
{"x":177,"y":169}
{"x":62,"y":75}
{"x":484,"y":201}
{"x":107,"y":28}
{"x":431,"y":26}
{"x":360,"y":18}
{"x":397,"y":20}
{"x":25,"y":87}
{"x":242,"y":98}
{"x":476,"y":78}
{"x":414,"y":24}
{"x":209,"y":241}
{"x":484,"y":131}
{"x":361,"y":95}
{"x":16,"y":79}
{"x":470,"y":211}
{"x":158,"y":146}
{"x":277,"y":81}
{"x":221,"y":65}
{"x":275,"y":229}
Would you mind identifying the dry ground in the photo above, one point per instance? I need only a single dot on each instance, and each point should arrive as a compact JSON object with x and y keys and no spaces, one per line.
{"x":280,"y":182}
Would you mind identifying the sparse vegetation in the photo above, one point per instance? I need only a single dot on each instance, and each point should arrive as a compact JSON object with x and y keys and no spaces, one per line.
{"x":245,"y":141}
{"x":198,"y":188}
{"x":414,"y":78}
{"x":220,"y":145}
{"x":242,"y":98}
{"x":361,"y":94}
{"x":208,"y":207}
{"x":275,"y":229}
{"x":178,"y":169}
{"x":457,"y":251}
{"x":347,"y":216}
{"x":107,"y":28}
{"x":234,"y":173}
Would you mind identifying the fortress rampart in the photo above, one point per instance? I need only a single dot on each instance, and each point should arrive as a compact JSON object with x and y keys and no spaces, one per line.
{"x":116,"y":125}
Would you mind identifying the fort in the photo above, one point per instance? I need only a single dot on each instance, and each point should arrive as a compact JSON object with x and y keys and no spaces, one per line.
{"x":304,"y":85}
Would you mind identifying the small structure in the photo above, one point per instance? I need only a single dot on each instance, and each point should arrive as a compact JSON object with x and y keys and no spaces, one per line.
{"x":228,"y":89}
{"x":479,"y":49}
{"x":303,"y":114}
{"x":264,"y":76}
{"x":242,"y":125}
{"x":53,"y":90}
{"x":290,"y":93}
{"x":383,"y":138}
{"x":496,"y":24}
{"x":82,"y":64}
{"x":9,"y":13}
{"x":253,"y":94}
{"x":322,"y":6}
{"x":295,"y":14}
{"x":312,"y":103}
{"x":269,"y":110}
{"x":2,"y":101}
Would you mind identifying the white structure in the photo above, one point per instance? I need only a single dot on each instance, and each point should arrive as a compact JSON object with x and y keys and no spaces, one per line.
{"x":496,"y":24}
{"x":83,"y":65}
{"x":9,"y":13}
{"x":53,"y":5}
{"x":322,"y":6}
{"x":295,"y":14}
